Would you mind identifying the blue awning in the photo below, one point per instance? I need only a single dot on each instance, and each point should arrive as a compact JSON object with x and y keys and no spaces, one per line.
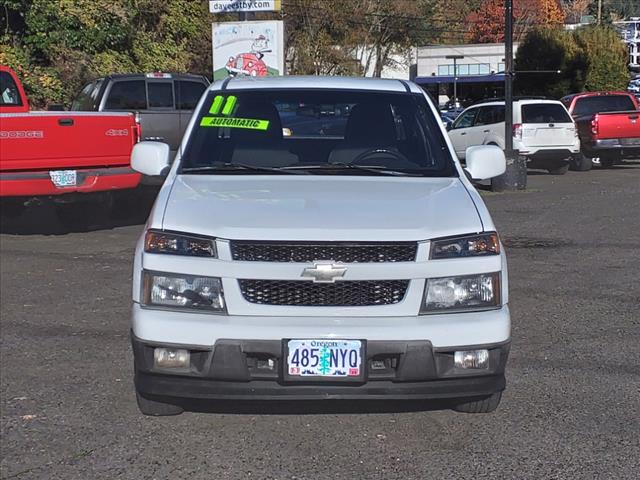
{"x":437,"y":79}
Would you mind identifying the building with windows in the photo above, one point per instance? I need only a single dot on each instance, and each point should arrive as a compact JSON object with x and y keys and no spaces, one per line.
{"x":630,"y":33}
{"x":478,"y":70}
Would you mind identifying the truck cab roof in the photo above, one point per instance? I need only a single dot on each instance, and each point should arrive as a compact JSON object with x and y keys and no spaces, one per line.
{"x":316,"y":82}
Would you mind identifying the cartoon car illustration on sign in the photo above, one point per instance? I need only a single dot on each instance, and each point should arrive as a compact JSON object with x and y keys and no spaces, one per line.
{"x":246,"y":64}
{"x":250,"y":63}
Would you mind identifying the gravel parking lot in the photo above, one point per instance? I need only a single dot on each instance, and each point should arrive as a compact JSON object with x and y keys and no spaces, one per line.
{"x":570,"y":410}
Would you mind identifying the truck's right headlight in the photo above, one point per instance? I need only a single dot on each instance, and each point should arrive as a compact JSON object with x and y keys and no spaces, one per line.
{"x":174,"y":243}
{"x":182,"y":291}
{"x":469,"y":292}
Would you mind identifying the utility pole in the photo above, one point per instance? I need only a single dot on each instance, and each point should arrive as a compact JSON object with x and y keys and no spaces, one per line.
{"x":455,"y":59}
{"x":599,"y":12}
{"x":515,"y":176}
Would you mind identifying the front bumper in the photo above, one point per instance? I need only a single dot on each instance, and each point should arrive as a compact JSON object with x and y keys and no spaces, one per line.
{"x":232,"y":370}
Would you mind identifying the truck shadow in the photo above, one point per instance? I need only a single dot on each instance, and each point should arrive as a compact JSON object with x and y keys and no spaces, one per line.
{"x":43,"y":217}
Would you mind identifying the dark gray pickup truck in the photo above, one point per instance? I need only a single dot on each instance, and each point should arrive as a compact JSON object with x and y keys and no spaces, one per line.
{"x":164,"y":101}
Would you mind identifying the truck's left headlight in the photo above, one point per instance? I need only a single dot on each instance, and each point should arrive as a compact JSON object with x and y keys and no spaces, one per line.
{"x":469,"y":292}
{"x":182,"y":291}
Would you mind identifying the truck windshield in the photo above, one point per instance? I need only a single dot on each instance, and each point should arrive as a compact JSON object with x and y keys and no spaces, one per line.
{"x":9,"y":94}
{"x":316,"y":132}
{"x":603,"y":103}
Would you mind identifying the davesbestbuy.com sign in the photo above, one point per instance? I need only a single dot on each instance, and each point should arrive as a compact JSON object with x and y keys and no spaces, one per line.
{"x":226,"y":6}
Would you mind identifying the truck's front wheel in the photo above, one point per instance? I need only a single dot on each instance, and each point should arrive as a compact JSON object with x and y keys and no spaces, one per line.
{"x":482,"y":405}
{"x":156,"y":409}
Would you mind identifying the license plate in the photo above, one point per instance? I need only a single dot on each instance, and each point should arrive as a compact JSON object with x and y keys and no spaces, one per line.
{"x":324,"y":358}
{"x":63,"y":178}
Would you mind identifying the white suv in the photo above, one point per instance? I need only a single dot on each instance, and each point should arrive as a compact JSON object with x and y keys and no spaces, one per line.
{"x":316,"y":238}
{"x":543,"y":131}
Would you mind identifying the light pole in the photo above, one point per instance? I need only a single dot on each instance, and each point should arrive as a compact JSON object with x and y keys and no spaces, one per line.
{"x":515,"y":175}
{"x":455,"y":59}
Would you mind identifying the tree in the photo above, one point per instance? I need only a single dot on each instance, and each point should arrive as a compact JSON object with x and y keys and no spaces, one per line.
{"x":353,"y":36}
{"x":549,"y":50}
{"x":486,"y":25}
{"x":57,"y":45}
{"x":590,"y":58}
{"x":574,"y":10}
{"x":607,"y":58}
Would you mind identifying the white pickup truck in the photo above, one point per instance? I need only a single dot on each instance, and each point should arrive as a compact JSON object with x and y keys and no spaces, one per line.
{"x":317,"y":238}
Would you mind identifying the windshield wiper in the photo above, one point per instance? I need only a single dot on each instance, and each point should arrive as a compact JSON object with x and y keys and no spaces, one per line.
{"x":231,"y":167}
{"x":349,"y":166}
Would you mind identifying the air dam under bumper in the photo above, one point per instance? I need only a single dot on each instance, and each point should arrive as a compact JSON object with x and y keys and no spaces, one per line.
{"x":231,"y":371}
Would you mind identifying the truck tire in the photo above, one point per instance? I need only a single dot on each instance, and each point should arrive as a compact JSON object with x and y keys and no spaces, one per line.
{"x":481,"y":405}
{"x":156,"y":409}
{"x":580,"y":163}
{"x":559,"y":169}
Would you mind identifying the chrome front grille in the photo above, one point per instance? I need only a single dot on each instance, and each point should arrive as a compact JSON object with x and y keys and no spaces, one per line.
{"x":302,"y":293}
{"x":304,"y":252}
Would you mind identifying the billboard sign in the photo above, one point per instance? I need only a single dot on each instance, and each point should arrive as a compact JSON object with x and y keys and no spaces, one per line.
{"x":253,"y":49}
{"x":235,"y":6}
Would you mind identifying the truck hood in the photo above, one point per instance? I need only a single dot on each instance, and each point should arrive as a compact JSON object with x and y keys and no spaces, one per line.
{"x":320,"y":208}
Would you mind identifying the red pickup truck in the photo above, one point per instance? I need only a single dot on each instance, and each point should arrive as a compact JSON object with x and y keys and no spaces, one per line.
{"x":608,"y":126}
{"x":61,"y":155}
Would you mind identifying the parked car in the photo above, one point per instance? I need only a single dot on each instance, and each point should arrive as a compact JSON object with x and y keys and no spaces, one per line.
{"x":360,"y":263}
{"x":543,"y":131}
{"x":163,"y":101}
{"x":608,"y":125}
{"x":449,"y":116}
{"x":61,"y":156}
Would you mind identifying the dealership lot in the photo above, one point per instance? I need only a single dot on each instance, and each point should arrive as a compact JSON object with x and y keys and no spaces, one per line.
{"x":571,"y":407}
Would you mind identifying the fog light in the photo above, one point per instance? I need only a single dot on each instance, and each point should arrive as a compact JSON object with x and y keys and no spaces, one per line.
{"x":268,"y":364}
{"x":171,"y":358}
{"x":471,"y":359}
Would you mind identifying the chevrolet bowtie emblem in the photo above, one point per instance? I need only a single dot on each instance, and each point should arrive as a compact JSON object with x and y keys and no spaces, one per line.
{"x":324,"y":272}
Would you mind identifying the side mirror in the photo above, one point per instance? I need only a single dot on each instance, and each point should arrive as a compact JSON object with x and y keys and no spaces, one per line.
{"x":449,"y":126}
{"x":150,"y":158}
{"x":485,"y":161}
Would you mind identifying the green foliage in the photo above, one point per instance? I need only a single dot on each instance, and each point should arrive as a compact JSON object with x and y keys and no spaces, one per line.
{"x":606,"y":56}
{"x":58,"y":45}
{"x":41,"y":84}
{"x":591,"y":59}
{"x":549,"y":50}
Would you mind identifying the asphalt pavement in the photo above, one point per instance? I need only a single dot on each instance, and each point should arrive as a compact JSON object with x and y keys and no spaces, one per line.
{"x":571,"y":409}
